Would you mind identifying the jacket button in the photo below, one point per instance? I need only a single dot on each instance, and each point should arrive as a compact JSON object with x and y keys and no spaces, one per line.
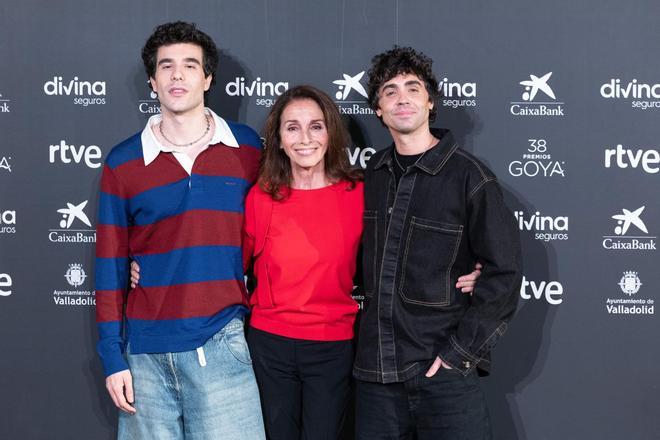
{"x":389,"y":210}
{"x":466,"y":364}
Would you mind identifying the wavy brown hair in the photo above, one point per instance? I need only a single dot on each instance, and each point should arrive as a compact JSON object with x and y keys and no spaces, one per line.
{"x":275,"y":175}
{"x":400,"y":61}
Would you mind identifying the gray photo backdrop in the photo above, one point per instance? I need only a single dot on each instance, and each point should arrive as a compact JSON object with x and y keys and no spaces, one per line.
{"x":561,"y":99}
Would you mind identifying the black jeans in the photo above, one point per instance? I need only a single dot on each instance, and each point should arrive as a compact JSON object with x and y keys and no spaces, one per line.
{"x":447,"y":406}
{"x":304,"y":385}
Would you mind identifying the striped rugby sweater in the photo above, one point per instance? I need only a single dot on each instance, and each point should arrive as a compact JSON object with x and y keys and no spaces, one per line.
{"x":185,"y":233}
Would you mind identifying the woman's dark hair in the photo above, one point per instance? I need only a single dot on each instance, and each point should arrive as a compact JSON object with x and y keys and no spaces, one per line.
{"x":180,"y":32}
{"x":275,"y":175}
{"x":398,"y":61}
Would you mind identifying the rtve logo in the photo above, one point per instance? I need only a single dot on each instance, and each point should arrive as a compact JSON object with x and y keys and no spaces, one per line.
{"x":90,"y":154}
{"x":5,"y":284}
{"x":649,"y":160}
{"x":551,"y":291}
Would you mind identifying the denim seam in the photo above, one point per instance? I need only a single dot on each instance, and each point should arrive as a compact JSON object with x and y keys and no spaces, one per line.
{"x":380,"y":274}
{"x":375,"y":250}
{"x":499,"y":331}
{"x":234,"y":354}
{"x":480,"y":185}
{"x":368,"y":371}
{"x":481,"y":171}
{"x":396,"y":268}
{"x":452,"y":150}
{"x":387,"y":235}
{"x":461,"y":350}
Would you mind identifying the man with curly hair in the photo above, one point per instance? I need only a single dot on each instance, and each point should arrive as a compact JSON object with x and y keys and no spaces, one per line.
{"x":431,"y":211}
{"x":173,"y":349}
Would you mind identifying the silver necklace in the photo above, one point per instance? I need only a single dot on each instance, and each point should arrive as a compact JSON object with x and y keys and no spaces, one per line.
{"x":208,"y":128}
{"x":396,"y":158}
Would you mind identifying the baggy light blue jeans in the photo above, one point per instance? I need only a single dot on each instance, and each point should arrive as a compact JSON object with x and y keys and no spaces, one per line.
{"x":200,"y":394}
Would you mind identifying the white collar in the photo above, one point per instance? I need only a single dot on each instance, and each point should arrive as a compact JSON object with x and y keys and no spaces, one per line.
{"x":151,"y":147}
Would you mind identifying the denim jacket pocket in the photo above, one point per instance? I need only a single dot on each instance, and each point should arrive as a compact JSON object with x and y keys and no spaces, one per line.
{"x":369,"y":251}
{"x":429,"y":255}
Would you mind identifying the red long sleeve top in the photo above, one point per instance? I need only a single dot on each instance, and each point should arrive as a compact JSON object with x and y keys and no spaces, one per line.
{"x":304,"y":250}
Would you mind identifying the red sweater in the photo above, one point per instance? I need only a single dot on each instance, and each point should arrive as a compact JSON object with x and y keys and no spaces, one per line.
{"x":304,"y":250}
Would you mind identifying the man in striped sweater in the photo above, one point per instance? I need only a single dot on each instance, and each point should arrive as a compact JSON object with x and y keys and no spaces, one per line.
{"x":173,"y":348}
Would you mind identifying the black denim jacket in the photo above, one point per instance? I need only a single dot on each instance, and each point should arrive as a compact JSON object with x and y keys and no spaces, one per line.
{"x":446,"y":214}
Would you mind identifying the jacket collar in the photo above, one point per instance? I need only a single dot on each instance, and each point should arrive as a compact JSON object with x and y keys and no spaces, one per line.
{"x":151,"y":148}
{"x":433,"y":159}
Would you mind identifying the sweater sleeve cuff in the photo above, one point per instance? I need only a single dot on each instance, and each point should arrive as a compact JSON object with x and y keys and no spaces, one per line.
{"x":113,"y":364}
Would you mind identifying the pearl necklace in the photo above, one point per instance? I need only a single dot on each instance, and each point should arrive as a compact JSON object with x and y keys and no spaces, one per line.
{"x":208,"y":128}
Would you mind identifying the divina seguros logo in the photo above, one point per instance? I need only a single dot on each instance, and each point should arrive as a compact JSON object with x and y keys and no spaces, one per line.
{"x":456,"y":94}
{"x":8,"y":222}
{"x":265,"y":92}
{"x":530,"y":105}
{"x":641,"y":95}
{"x":84,"y":92}
{"x":545,"y":228}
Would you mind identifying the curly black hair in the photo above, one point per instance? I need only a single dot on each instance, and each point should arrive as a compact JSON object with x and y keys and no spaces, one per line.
{"x":180,"y":32}
{"x":397,"y":61}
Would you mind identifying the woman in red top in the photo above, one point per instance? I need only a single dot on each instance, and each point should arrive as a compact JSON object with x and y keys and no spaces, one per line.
{"x":303,"y":222}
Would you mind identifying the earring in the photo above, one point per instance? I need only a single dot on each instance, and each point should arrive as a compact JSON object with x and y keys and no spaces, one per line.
{"x":152,"y":94}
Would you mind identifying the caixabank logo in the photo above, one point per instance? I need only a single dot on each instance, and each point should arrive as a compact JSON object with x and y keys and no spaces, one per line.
{"x":5,"y":104}
{"x":645,"y":160}
{"x":538,"y":98}
{"x":631,"y":300}
{"x":639,"y":95}
{"x":76,"y":277}
{"x":630,"y":232}
{"x":457,"y":94}
{"x":537,"y":161}
{"x":149,"y":106}
{"x":264,"y":92}
{"x":74,"y":225}
{"x":350,"y":96}
{"x":81,"y":92}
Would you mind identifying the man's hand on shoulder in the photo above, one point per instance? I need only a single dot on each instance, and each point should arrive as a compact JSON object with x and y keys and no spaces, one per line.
{"x":120,"y":388}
